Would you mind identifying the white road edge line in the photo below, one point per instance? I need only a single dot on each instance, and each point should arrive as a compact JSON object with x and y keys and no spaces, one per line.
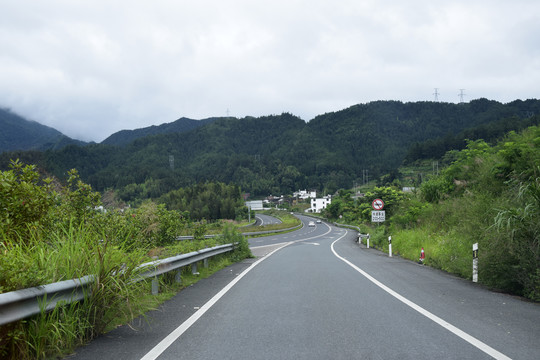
{"x":470,"y":339}
{"x":176,"y":333}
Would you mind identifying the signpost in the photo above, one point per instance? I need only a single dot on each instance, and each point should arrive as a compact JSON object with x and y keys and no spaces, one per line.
{"x":378,"y":215}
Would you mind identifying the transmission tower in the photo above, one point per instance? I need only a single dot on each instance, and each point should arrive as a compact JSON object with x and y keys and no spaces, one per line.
{"x":436,"y":94}
{"x":461,"y":95}
{"x":365,"y":177}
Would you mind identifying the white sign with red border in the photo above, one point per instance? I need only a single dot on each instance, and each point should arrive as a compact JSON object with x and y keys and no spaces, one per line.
{"x":377,"y":204}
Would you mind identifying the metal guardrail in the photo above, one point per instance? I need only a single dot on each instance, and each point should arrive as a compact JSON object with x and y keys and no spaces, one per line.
{"x":360,"y":235}
{"x":190,"y":237}
{"x":20,"y":304}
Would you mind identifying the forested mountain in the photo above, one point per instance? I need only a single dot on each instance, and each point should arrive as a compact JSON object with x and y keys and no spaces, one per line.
{"x":18,"y":133}
{"x":124,"y":137}
{"x":282,"y":153}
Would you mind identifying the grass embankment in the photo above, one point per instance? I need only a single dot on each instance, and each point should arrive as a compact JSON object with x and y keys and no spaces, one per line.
{"x":446,"y":231}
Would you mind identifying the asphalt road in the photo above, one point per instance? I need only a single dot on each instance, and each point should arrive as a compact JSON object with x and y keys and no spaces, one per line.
{"x":261,"y":219}
{"x":316,"y":294}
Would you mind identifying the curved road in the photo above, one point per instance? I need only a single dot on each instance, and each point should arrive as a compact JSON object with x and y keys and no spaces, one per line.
{"x":261,"y":219}
{"x":316,"y":294}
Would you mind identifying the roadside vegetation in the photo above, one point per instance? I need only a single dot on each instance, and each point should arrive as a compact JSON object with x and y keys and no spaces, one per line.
{"x":488,"y":195}
{"x":52,"y":232}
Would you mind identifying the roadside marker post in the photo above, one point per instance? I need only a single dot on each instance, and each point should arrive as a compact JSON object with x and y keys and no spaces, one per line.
{"x":367,"y":241}
{"x":475,"y":262}
{"x":389,"y":246}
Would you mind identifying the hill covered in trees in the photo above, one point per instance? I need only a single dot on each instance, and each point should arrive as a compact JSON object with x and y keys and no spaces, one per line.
{"x":281,"y":153}
{"x":18,"y":133}
{"x":124,"y":137}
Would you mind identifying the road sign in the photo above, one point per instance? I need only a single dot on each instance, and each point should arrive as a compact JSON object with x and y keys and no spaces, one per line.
{"x":377,"y":204}
{"x":378,"y":216}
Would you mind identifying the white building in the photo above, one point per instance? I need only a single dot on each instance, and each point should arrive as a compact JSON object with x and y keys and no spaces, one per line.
{"x":319,"y":204}
{"x":304,"y":194}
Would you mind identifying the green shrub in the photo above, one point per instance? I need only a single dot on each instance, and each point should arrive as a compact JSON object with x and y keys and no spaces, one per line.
{"x":25,"y":201}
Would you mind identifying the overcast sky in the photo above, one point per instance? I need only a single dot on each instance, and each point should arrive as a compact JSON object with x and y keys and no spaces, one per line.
{"x":91,"y":68}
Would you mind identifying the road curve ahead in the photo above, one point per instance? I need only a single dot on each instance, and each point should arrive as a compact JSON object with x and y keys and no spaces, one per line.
{"x":321,"y":296}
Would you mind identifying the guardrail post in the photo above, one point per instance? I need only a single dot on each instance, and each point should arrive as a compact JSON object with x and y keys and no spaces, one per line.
{"x":178,"y":276}
{"x":194,"y":269}
{"x":155,"y":285}
{"x":205,"y":263}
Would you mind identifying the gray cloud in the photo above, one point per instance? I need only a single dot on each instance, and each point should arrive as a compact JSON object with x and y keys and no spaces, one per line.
{"x":90,"y":68}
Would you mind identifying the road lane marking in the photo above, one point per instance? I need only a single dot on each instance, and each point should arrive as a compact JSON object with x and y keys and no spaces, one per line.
{"x":462,"y":334}
{"x":176,"y":333}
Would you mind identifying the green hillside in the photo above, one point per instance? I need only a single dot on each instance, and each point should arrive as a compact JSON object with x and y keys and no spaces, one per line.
{"x":124,"y":137}
{"x":281,"y":153}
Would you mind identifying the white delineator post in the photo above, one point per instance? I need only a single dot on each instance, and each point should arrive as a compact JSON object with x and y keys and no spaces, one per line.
{"x":390,"y":246}
{"x":475,"y":262}
{"x":367,"y":241}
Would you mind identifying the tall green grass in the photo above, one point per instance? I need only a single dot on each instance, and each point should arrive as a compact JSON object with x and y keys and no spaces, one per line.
{"x":71,"y":252}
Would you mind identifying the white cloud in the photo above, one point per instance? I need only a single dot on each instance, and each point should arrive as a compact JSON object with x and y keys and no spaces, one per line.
{"x":90,"y":68}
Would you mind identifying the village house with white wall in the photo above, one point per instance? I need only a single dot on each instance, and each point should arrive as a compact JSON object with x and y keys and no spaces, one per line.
{"x":305,"y":194}
{"x":318,"y":204}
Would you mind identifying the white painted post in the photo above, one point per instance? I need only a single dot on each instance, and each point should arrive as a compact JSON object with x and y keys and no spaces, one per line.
{"x":178,"y":276}
{"x":205,"y":263}
{"x":368,"y":241}
{"x":390,"y":246}
{"x":475,"y":262}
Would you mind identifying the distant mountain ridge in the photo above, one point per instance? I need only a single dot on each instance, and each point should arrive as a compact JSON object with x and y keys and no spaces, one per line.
{"x":18,"y":133}
{"x":183,"y":124}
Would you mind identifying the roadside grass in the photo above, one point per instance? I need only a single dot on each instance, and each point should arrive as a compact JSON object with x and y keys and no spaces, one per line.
{"x":113,"y":300}
{"x":446,"y":231}
{"x":445,"y":251}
